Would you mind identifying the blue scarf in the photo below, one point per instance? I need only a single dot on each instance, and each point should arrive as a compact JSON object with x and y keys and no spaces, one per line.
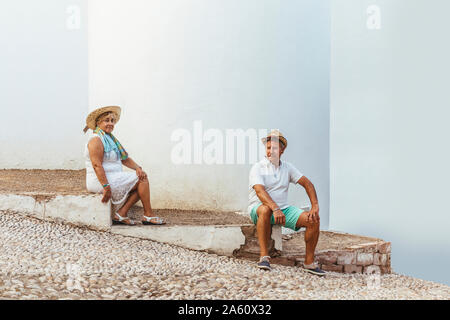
{"x":111,"y":143}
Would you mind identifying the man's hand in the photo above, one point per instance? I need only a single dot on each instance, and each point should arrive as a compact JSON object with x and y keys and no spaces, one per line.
{"x":313,"y":214}
{"x":265,"y":198}
{"x":106,"y":194}
{"x":279,"y":217}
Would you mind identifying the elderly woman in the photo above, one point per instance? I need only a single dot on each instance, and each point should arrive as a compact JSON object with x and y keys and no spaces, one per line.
{"x":104,"y":159}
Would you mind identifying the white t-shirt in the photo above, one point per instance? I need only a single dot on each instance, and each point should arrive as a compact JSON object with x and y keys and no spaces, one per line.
{"x":275,"y":181}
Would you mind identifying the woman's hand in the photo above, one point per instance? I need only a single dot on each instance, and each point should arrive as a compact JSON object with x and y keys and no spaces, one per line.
{"x":106,"y":194}
{"x":141,"y":174}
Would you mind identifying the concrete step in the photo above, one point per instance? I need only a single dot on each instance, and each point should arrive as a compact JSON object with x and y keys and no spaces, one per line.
{"x":78,"y":209}
{"x":219,"y":239}
{"x":360,"y":254}
{"x":87,"y":210}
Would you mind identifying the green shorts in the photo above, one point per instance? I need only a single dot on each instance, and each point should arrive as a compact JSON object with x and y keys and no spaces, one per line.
{"x":292,"y":214}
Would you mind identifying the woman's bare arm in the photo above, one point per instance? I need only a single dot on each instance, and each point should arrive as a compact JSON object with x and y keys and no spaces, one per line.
{"x":95,"y":147}
{"x":128,"y":162}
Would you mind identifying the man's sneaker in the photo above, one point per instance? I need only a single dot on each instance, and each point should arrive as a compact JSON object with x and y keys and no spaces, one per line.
{"x":314,"y":269}
{"x":264,"y":263}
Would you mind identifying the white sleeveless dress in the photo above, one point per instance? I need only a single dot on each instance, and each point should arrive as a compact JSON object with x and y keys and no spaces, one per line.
{"x":121,"y":182}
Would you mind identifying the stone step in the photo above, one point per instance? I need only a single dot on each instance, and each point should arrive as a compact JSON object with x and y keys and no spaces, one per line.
{"x":78,"y":209}
{"x":367,"y":255}
{"x":218,"y":239}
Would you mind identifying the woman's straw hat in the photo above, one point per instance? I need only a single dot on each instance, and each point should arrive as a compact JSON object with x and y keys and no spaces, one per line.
{"x":276,"y":135}
{"x":93,"y":116}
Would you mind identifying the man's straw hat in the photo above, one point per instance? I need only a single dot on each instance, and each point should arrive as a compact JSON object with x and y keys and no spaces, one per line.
{"x":276,"y":135}
{"x":93,"y":116}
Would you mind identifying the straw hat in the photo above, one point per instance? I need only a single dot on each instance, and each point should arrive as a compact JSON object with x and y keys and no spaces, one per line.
{"x":93,"y":116}
{"x":277,"y":135}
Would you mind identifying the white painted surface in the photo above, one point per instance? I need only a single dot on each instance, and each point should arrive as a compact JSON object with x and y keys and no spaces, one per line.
{"x":254,"y":64}
{"x":276,"y":235}
{"x":389,"y":129}
{"x":43,"y":84}
{"x":82,"y":210}
{"x":222,"y":240}
{"x":230,"y":64}
{"x":21,"y":203}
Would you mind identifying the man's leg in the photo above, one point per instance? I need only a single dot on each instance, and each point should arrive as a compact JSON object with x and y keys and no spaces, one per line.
{"x":263,"y":228}
{"x":311,"y":236}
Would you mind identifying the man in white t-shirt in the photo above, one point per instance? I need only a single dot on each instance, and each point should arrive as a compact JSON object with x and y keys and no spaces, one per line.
{"x":269,"y":182}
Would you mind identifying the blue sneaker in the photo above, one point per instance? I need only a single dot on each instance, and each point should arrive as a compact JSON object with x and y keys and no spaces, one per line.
{"x":264,"y":263}
{"x":314,"y":269}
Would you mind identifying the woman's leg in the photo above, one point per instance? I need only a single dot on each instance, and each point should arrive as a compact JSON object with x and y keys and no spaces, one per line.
{"x":132,"y":199}
{"x":143,"y":190}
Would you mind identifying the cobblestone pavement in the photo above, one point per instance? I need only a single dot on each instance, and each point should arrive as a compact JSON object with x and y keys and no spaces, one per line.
{"x":43,"y":260}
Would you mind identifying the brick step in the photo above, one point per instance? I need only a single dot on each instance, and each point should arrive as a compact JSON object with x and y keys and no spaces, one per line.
{"x":346,"y":253}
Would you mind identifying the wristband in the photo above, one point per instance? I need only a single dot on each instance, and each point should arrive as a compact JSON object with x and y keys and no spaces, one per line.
{"x":276,"y":209}
{"x":105,"y":185}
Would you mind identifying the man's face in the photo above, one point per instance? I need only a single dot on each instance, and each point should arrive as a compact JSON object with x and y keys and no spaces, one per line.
{"x":274,"y":150}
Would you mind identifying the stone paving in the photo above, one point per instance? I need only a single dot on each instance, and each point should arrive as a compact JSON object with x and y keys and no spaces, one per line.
{"x":45,"y":260}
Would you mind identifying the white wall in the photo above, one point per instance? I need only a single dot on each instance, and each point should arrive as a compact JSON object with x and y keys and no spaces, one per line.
{"x":231,"y":64}
{"x":389,"y":155}
{"x":43,"y":83}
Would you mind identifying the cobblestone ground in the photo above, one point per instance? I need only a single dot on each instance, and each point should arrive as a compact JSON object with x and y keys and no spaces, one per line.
{"x":43,"y":260}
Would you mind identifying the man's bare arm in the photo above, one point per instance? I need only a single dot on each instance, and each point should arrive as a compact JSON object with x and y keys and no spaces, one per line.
{"x":311,"y":191}
{"x":266,"y":200}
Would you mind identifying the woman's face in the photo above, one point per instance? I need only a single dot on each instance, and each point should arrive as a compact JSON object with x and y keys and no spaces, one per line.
{"x":106,"y":123}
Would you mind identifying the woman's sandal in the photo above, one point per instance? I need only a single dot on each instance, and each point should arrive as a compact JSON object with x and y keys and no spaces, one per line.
{"x":153,"y":220}
{"x":122,"y":219}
